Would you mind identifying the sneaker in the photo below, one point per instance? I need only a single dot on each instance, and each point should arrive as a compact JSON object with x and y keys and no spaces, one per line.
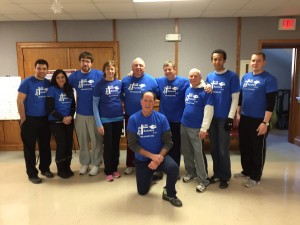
{"x":129,"y":170}
{"x":213,"y":180}
{"x":201,"y":187}
{"x":94,"y":171}
{"x":35,"y":180}
{"x":116,"y":174}
{"x":109,"y":178}
{"x":157,"y":175}
{"x":240,"y":176}
{"x":83,"y":170}
{"x":223,"y":184}
{"x":251,"y":183}
{"x":47,"y":174}
{"x":173,"y":200}
{"x":188,"y":178}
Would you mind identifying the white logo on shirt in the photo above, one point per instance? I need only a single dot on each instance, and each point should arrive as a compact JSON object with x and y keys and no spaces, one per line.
{"x":85,"y":83}
{"x":111,"y":89}
{"x":170,"y":90}
{"x":62,"y":97}
{"x":136,"y":87}
{"x":41,"y":91}
{"x":251,"y":83}
{"x":146,"y":131}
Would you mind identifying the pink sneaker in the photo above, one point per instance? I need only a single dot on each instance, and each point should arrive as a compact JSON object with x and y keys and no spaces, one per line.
{"x":117,"y":174}
{"x":109,"y":178}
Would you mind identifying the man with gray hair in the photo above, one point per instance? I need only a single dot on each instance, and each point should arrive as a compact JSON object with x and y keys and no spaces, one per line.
{"x":195,"y":122}
{"x":132,"y":89}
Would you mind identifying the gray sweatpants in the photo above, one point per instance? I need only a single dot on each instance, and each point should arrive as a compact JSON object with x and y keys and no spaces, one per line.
{"x":86,"y":130}
{"x":191,"y":149}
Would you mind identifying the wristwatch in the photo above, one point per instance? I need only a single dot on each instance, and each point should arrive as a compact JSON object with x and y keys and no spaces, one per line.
{"x":266,"y":123}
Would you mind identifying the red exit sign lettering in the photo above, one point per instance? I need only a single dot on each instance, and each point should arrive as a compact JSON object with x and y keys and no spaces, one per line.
{"x":287,"y":24}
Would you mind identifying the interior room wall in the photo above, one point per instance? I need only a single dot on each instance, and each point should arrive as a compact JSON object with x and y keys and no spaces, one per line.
{"x":146,"y":38}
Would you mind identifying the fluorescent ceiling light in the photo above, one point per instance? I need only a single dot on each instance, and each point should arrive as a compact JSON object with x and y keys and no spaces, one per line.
{"x":161,"y":0}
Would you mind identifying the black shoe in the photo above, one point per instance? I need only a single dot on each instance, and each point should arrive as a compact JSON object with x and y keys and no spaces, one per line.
{"x":35,"y":180}
{"x":173,"y":200}
{"x":223,"y":184}
{"x":179,"y":177}
{"x":48,"y":174}
{"x":213,"y":180}
{"x":63,"y":174}
{"x":158,"y":175}
{"x":70,"y":172}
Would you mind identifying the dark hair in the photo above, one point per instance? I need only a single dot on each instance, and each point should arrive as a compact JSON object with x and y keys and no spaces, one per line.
{"x":219,"y":51}
{"x":166,"y":63}
{"x":110,"y":63}
{"x":86,"y":55}
{"x":42,"y":62}
{"x":67,"y":87}
{"x":260,"y":53}
{"x":154,"y":96}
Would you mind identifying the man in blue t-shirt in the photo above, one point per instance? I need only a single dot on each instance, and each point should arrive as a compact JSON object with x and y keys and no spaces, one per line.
{"x":171,"y":95}
{"x":149,"y":136}
{"x":256,"y":105}
{"x":84,"y":81}
{"x":195,"y":122}
{"x":226,"y":90}
{"x":31,"y":102}
{"x":132,"y":88}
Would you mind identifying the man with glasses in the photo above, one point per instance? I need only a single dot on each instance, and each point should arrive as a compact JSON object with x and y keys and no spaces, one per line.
{"x":84,"y":81}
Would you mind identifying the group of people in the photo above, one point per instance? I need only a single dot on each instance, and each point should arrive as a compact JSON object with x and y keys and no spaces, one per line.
{"x":189,"y":110}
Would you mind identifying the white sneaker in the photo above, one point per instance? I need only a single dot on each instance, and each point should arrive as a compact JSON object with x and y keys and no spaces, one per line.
{"x":94,"y":171}
{"x":240,"y":176}
{"x":83,"y":170}
{"x":251,"y":183}
{"x":129,"y":170}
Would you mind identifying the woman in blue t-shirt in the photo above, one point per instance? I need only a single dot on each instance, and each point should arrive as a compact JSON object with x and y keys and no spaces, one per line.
{"x":60,"y":105}
{"x":108,"y":113}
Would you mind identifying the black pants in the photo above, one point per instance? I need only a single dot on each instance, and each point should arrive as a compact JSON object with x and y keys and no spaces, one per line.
{"x":63,"y":135}
{"x":252,"y":147}
{"x":111,"y":141}
{"x":175,"y":151}
{"x":36,"y":129}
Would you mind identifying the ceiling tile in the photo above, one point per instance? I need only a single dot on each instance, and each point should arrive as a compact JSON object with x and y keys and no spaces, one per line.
{"x":115,"y":7}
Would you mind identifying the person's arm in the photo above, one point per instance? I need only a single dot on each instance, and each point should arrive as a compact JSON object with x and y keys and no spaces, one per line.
{"x":207,"y":118}
{"x":239,"y":108}
{"x":134,"y":146}
{"x":99,"y":125}
{"x":21,"y":107}
{"x":50,"y":108}
{"x":270,"y":104}
{"x":233,"y":107}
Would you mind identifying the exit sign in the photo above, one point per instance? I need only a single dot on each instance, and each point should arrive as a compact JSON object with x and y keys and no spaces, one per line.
{"x":287,"y":24}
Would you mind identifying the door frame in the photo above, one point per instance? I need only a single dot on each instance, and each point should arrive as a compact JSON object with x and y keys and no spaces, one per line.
{"x":288,"y":43}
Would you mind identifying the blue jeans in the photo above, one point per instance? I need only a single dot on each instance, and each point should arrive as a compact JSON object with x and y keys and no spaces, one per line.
{"x":220,"y":140}
{"x":144,"y":175}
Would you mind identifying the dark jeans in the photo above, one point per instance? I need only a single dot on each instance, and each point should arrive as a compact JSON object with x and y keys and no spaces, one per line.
{"x":111,"y":141}
{"x":36,"y":129}
{"x":63,"y":135}
{"x":144,"y":175}
{"x":220,"y":140}
{"x":129,"y":152}
{"x":252,"y":147}
{"x":175,"y":152}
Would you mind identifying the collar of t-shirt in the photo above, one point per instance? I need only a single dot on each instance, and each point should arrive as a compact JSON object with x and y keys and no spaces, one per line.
{"x":201,"y":85}
{"x":221,"y":72}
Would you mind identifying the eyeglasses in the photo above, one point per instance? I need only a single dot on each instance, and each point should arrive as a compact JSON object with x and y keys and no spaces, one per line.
{"x":85,"y":61}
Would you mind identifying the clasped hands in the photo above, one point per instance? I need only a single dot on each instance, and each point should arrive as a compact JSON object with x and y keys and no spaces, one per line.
{"x":157,"y":159}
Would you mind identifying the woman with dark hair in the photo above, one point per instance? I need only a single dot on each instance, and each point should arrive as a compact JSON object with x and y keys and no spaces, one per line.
{"x":108,"y":113}
{"x":60,"y":105}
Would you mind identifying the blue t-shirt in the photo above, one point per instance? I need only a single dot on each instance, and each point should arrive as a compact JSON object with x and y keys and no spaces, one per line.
{"x":84,"y":84}
{"x":254,"y":89}
{"x":224,"y":85}
{"x":195,"y":101}
{"x":149,"y":131}
{"x":107,"y":97}
{"x":36,"y":91}
{"x":62,"y":103}
{"x":132,"y":89}
{"x":172,"y":97}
